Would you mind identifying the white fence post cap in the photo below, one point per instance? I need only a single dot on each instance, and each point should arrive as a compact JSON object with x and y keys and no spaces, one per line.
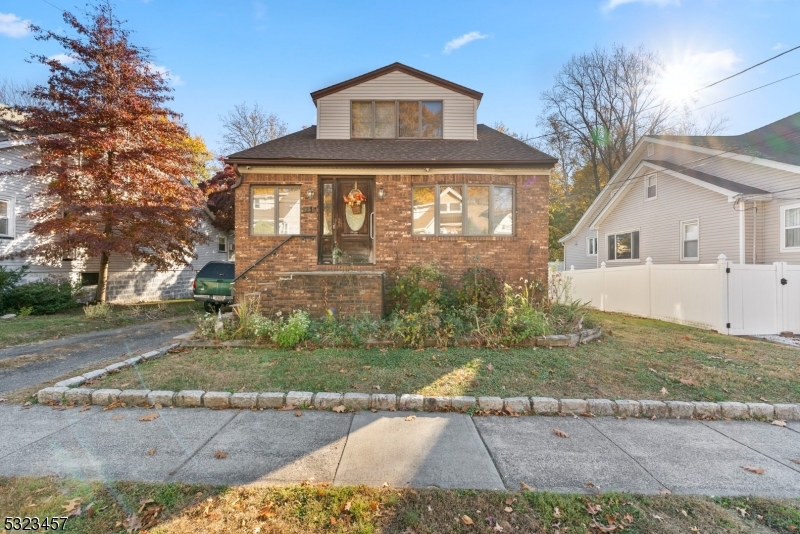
{"x":722,"y":258}
{"x":571,"y":267}
{"x":602,"y":264}
{"x":649,"y":260}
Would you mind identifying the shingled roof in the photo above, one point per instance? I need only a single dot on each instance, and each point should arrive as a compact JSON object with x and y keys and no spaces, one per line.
{"x":779,"y":141}
{"x":492,"y":148}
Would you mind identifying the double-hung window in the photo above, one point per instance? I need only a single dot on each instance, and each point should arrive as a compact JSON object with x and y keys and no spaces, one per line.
{"x":375,"y":119}
{"x":790,"y":228}
{"x":222,"y":243}
{"x":650,"y":186}
{"x":623,"y":246}
{"x":591,"y":246}
{"x":690,"y":240}
{"x":457,"y":209}
{"x":6,"y":218}
{"x":275,"y":210}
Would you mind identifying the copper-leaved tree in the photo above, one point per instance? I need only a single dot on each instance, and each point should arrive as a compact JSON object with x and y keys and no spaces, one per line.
{"x":115,"y":158}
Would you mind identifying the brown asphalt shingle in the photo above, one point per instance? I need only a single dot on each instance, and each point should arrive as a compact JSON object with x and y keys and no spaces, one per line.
{"x":491,"y":148}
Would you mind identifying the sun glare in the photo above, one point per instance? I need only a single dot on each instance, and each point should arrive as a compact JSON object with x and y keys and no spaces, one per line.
{"x":679,"y":82}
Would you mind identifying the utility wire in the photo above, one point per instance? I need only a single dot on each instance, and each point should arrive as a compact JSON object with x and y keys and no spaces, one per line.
{"x":750,"y":91}
{"x":748,"y":68}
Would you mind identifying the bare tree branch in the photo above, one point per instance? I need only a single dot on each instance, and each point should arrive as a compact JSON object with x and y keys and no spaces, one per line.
{"x":245,"y":127}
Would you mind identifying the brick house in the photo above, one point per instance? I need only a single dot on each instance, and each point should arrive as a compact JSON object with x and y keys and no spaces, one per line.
{"x":396,"y":172}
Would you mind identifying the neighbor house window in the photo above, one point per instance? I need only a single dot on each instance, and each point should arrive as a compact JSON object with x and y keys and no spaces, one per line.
{"x":690,"y":240}
{"x":222,"y":243}
{"x":276,"y":210}
{"x":471,"y":210}
{"x":790,"y":228}
{"x":623,"y":246}
{"x":6,"y":218}
{"x":591,"y":246}
{"x":390,"y":119}
{"x":650,"y":185}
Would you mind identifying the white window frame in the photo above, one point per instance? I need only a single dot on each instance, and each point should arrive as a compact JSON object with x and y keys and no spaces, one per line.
{"x":650,"y":149}
{"x":589,"y":242}
{"x":654,"y":176}
{"x":632,"y":260}
{"x":784,"y":248}
{"x":222,"y":240}
{"x":10,"y":210}
{"x":683,"y":235}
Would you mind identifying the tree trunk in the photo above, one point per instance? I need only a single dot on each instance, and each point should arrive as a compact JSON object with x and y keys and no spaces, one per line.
{"x":102,"y":278}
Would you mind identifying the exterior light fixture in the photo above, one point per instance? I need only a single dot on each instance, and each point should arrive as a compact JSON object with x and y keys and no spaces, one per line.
{"x":381,"y":193}
{"x":310,"y":193}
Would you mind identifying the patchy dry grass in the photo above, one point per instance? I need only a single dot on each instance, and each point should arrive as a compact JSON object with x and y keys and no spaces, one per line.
{"x":180,"y":508}
{"x":69,"y":322}
{"x":635,"y":360}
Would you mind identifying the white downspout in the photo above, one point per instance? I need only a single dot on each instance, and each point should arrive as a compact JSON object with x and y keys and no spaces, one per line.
{"x":564,"y":267}
{"x":741,"y":235}
{"x":755,"y":216}
{"x":597,"y":248}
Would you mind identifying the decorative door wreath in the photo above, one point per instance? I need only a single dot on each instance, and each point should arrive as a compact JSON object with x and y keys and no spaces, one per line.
{"x":354,"y":212}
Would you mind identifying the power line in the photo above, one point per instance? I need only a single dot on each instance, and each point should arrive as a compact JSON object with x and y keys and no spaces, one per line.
{"x":748,"y":68}
{"x":750,"y":91}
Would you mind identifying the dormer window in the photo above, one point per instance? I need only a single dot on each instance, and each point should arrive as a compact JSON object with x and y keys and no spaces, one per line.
{"x":396,"y":119}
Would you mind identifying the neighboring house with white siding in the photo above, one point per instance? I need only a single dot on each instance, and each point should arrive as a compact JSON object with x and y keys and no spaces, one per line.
{"x":688,"y":199}
{"x":128,"y":282}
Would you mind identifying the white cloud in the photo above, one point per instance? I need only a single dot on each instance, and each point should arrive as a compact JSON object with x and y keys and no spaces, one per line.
{"x":64,"y":59}
{"x":779,"y":46}
{"x":458,"y":42}
{"x":612,"y":4}
{"x":13,"y":26}
{"x":721,"y":60}
{"x":171,"y":77}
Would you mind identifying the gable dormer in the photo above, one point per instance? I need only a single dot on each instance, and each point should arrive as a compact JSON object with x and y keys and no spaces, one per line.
{"x":397,"y":102}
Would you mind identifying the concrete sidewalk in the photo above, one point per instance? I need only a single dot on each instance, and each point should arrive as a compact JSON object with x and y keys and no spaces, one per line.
{"x":446,"y":450}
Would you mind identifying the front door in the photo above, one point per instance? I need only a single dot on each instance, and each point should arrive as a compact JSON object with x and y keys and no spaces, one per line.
{"x":347,"y":221}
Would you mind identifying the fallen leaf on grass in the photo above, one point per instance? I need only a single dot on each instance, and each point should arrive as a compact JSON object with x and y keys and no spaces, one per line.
{"x":688,"y":382}
{"x":411,"y":417}
{"x":684,"y":513}
{"x":266,"y":512}
{"x":220,"y":455}
{"x":466,"y":520}
{"x":338,"y":409}
{"x":490,"y":367}
{"x":764,"y":399}
{"x":72,"y":506}
{"x":560,"y":433}
{"x":742,"y":511}
{"x":556,"y":512}
{"x":593,"y":509}
{"x":298,"y":413}
{"x":118,"y":417}
{"x":664,"y":391}
{"x":149,"y":417}
{"x":508,"y":509}
{"x":658,"y":517}
{"x":376,"y":387}
{"x":756,"y":470}
{"x":151,"y":452}
{"x":603,"y":528}
{"x":778,"y":422}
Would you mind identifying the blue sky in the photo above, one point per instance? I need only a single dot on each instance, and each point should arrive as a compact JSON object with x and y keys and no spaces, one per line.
{"x":275,"y":53}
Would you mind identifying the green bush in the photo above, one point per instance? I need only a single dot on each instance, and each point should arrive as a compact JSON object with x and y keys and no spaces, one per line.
{"x":293,"y":331}
{"x":413,"y":328}
{"x":480,"y":287}
{"x":419,"y":286}
{"x":44,"y":297}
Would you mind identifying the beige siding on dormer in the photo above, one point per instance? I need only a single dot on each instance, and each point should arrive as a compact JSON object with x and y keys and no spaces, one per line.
{"x":460,"y":111}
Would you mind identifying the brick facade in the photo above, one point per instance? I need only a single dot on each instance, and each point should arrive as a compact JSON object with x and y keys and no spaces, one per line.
{"x":353,"y":289}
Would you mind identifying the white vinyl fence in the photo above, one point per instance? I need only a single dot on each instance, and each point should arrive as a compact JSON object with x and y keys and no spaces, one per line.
{"x":727,"y":297}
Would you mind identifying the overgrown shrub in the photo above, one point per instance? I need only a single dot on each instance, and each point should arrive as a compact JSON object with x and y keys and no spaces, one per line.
{"x":420,"y":285}
{"x":288,"y":334}
{"x":346,"y":331}
{"x":413,"y":328}
{"x":480,"y":287}
{"x":44,"y":297}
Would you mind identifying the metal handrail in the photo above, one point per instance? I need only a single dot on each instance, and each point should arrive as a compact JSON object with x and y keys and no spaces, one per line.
{"x":273,"y":249}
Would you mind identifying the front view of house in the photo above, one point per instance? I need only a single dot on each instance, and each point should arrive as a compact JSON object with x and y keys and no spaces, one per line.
{"x":397,"y":172}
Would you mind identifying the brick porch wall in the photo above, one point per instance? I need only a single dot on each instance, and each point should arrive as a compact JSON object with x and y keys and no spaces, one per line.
{"x":276,"y":279}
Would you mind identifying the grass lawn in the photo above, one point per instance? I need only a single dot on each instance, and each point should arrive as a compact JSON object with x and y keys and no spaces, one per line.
{"x":635,"y":359}
{"x":69,"y":322}
{"x":181,"y":508}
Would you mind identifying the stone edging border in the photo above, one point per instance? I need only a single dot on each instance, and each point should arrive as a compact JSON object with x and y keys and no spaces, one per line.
{"x":68,"y":392}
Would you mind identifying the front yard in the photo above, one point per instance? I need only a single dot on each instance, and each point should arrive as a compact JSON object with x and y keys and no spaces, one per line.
{"x":74,"y":321}
{"x":635,"y":359}
{"x":173,"y":507}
